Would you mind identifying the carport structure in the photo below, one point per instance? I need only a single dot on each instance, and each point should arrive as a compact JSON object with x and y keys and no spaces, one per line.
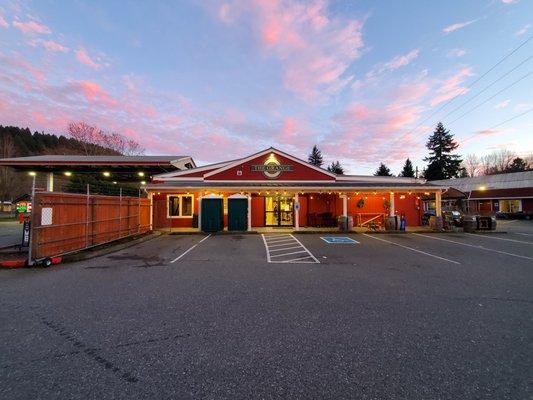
{"x":272,"y":189}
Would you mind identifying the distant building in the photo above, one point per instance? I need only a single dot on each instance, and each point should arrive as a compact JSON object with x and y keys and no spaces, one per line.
{"x":502,"y":193}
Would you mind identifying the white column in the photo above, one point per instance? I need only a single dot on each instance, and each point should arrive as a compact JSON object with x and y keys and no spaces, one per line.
{"x":249,"y":211}
{"x":199,"y":213}
{"x":344,"y":206}
{"x":392,"y":210}
{"x":438,"y":203}
{"x":50,"y":182}
{"x":296,"y":213}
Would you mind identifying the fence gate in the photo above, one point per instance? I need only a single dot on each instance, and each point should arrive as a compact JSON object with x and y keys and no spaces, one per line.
{"x":66,"y":222}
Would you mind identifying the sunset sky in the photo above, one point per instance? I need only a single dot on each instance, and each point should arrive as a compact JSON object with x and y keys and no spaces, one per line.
{"x":365,"y":80}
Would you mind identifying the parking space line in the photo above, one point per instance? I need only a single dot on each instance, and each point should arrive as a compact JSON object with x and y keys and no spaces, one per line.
{"x":281,"y":244}
{"x":496,"y":238}
{"x":521,"y":233}
{"x":412,"y":249}
{"x":189,"y":249}
{"x":288,"y":254}
{"x":475,"y":246}
{"x":285,"y":248}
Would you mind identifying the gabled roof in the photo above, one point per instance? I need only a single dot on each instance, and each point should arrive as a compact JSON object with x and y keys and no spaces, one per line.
{"x":265,"y":152}
{"x":513,"y":180}
{"x":55,"y":159}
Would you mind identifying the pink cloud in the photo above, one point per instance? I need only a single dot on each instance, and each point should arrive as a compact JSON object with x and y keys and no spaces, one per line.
{"x":503,"y":104}
{"x":3,"y":22}
{"x":83,"y":57}
{"x":31,"y":27}
{"x":401,"y":60}
{"x":314,"y":48}
{"x":452,"y":86}
{"x":50,"y":45}
{"x":93,"y":92}
{"x":456,"y":53}
{"x":457,"y":26}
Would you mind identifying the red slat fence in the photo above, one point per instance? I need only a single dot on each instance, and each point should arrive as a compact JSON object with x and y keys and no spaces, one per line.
{"x":66,"y":222}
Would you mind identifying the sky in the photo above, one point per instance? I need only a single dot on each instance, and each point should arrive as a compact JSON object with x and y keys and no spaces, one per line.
{"x":367,"y":81}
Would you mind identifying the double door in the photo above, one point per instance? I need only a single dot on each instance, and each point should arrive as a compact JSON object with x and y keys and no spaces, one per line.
{"x":279,"y":211}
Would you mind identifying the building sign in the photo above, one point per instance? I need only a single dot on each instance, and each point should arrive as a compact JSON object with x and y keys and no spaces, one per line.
{"x":272,"y":168}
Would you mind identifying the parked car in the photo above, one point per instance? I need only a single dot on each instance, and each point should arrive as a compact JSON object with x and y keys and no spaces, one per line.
{"x":454,"y":217}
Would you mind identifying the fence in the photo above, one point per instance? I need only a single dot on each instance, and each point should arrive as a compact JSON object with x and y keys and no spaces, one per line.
{"x":66,"y":222}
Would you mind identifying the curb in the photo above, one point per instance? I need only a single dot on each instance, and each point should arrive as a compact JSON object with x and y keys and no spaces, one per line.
{"x":12,"y":264}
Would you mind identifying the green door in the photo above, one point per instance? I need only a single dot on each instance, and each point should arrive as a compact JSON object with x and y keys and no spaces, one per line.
{"x":237,"y":214}
{"x":212,"y":218}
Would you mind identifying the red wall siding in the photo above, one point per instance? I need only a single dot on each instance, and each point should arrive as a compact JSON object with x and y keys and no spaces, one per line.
{"x":408,"y":208}
{"x":303,"y":200}
{"x":301,"y":171}
{"x":160,"y":218}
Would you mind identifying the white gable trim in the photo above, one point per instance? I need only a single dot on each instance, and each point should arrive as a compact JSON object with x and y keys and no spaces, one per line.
{"x":265,"y":152}
{"x":191,"y":170}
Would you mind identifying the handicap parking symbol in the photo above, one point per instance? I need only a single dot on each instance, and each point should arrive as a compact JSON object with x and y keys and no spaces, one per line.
{"x":338,"y":240}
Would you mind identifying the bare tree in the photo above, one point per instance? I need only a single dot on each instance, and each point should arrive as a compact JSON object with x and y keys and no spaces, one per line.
{"x":96,"y":141}
{"x":472,"y":164}
{"x":503,"y":158}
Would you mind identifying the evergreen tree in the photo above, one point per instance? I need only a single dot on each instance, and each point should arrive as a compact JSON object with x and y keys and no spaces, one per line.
{"x":463,"y":173}
{"x":383,"y":170}
{"x":517,"y":165}
{"x":315,"y":158}
{"x":442,"y":164}
{"x":408,"y":171}
{"x":336,"y":168}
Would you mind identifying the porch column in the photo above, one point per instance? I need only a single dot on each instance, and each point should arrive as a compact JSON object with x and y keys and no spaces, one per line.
{"x":438,"y":203}
{"x":249,"y":211}
{"x":392,"y":210}
{"x":344,"y":206}
{"x":50,"y":182}
{"x":200,"y":213}
{"x":151,"y":198}
{"x":296,"y":212}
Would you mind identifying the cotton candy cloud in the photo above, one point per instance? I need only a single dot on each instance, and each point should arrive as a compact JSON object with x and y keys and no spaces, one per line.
{"x":313,"y":47}
{"x":50,"y":45}
{"x":83,"y":57}
{"x":457,"y":26}
{"x":452,"y":86}
{"x":3,"y":22}
{"x":31,"y":27}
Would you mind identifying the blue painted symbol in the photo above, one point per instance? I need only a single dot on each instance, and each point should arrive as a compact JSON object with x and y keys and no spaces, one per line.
{"x":338,"y":240}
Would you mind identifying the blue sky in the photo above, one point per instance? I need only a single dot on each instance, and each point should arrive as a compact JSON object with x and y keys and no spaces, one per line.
{"x":365,"y":80}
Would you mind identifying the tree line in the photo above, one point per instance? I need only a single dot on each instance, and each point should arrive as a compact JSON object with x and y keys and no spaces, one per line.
{"x":442,"y":162}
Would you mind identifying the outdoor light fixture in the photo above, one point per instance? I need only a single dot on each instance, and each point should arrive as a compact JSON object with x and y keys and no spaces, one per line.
{"x":68,"y":173}
{"x":482,"y":188}
{"x":106,"y":173}
{"x":140,"y":173}
{"x":114,"y":182}
{"x":32,"y":173}
{"x":143,"y":182}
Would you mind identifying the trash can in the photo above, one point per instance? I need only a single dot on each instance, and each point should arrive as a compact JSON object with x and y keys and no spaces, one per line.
{"x":350,"y":223}
{"x":391,"y":223}
{"x":469,"y":223}
{"x":342,"y":223}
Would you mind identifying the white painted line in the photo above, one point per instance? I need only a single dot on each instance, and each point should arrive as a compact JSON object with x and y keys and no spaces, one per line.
{"x":294,"y":260}
{"x":266,"y":247}
{"x":311,"y":254}
{"x":520,"y":233}
{"x":279,"y":241}
{"x":189,"y":249}
{"x":290,"y":243}
{"x":285,"y":248}
{"x":489,"y":236}
{"x":412,"y":249}
{"x":288,"y":254}
{"x":475,"y":246}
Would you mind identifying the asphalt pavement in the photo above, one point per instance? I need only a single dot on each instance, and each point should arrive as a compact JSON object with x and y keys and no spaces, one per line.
{"x":402,"y":316}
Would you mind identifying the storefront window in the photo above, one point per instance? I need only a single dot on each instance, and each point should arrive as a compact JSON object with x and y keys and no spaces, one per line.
{"x":180,"y":206}
{"x":510,"y":206}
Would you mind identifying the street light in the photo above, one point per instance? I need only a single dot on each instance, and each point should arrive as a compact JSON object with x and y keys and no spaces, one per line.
{"x":32,"y":173}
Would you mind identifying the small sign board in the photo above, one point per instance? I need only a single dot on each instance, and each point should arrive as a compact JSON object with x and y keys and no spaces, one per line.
{"x":338,"y":240}
{"x":26,"y":233}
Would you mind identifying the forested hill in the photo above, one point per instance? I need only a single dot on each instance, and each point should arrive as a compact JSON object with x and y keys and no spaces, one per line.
{"x":19,"y":142}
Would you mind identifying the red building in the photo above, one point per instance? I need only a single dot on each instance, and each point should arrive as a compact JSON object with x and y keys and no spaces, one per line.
{"x":274,"y":189}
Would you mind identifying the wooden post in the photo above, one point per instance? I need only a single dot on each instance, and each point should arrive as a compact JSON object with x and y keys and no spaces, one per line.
{"x":438,"y":203}
{"x":296,"y":212}
{"x":392,"y":210}
{"x":249,"y":211}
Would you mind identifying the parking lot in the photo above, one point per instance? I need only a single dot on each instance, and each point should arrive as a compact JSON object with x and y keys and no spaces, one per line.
{"x":413,"y":316}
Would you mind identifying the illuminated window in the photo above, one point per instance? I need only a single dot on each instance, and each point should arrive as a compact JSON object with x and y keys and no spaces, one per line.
{"x":510,"y":206}
{"x":180,"y":206}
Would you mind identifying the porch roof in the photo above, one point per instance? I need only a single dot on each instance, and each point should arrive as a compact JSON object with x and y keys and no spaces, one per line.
{"x":339,"y":185}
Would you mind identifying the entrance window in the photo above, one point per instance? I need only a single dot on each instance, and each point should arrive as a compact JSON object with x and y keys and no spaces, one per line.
{"x":510,"y":206}
{"x":279,"y":211}
{"x":180,"y":206}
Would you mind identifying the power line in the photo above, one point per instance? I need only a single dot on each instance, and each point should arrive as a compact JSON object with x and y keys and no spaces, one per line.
{"x":491,"y":97}
{"x":489,"y":86}
{"x":470,"y":85}
{"x":510,"y":119}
